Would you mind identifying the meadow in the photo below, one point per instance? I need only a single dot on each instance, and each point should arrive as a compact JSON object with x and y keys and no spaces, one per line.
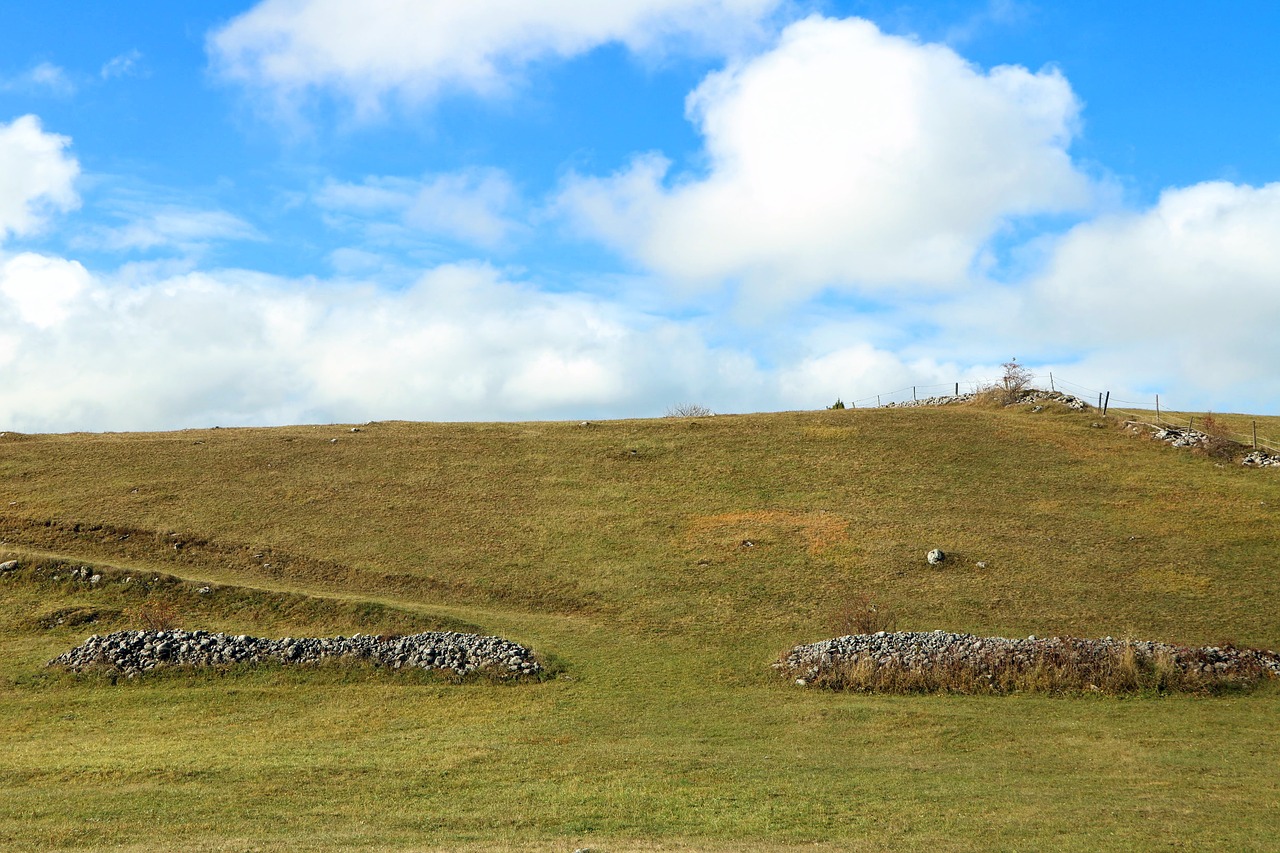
{"x":659,"y":567}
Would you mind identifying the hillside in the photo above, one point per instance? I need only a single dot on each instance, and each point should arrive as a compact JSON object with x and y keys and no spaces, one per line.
{"x":662,"y":565}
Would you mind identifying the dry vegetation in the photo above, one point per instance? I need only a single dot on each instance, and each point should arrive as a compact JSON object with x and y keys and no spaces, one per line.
{"x":618,"y":550}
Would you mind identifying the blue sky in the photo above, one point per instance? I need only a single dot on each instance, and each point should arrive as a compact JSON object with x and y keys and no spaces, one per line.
{"x":318,"y":211}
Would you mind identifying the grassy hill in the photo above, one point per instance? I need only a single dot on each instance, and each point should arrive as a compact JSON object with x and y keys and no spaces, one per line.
{"x":662,"y":565}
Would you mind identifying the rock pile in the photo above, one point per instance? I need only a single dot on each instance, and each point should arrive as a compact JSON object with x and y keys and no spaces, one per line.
{"x":1261,"y":459}
{"x":1030,"y":395}
{"x":1176,"y":436}
{"x":133,"y":652}
{"x":931,"y":401}
{"x":992,"y":656}
{"x":1035,"y":395}
{"x":1181,"y":436}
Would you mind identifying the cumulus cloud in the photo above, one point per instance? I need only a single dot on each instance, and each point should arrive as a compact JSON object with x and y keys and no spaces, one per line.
{"x":417,"y":48}
{"x":42,"y":290}
{"x":1185,"y":293}
{"x":37,"y":176}
{"x":845,"y":157}
{"x":473,"y":206}
{"x":133,"y":351}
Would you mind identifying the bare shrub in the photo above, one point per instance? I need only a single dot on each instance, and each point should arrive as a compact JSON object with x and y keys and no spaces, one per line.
{"x":1015,"y":380}
{"x":156,"y":616}
{"x":1218,"y":442}
{"x":688,"y":410}
{"x":861,"y":615}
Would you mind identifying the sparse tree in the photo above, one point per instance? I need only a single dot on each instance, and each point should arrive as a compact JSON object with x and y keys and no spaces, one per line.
{"x":688,"y":410}
{"x":1015,"y":380}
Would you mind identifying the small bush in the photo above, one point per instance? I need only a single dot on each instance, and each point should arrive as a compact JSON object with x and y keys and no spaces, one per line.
{"x":838,"y":404}
{"x":1015,"y":380}
{"x":689,"y":410}
{"x":1218,"y":442}
{"x":156,"y":616}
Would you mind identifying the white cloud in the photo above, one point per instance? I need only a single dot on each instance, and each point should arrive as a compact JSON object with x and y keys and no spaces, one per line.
{"x":42,"y":290}
{"x":417,"y":48}
{"x":845,"y":157}
{"x":134,"y":352}
{"x":124,"y":65}
{"x":169,"y":226}
{"x":44,"y":77}
{"x":1184,"y":294}
{"x":473,"y":206}
{"x":36,"y":175}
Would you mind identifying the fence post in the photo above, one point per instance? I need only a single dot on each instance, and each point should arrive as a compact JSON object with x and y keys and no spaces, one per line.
{"x":1157,"y":408}
{"x":1107,"y":403}
{"x":913,"y":393}
{"x":1051,"y":388}
{"x":1191,"y":424}
{"x":1099,"y":400}
{"x":957,"y":389}
{"x":877,"y":401}
{"x":1255,"y":435}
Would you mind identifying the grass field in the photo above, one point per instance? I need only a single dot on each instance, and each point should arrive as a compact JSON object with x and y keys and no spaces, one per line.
{"x":618,"y":550}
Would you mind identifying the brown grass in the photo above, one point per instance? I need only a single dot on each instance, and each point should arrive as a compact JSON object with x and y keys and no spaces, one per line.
{"x":817,"y":531}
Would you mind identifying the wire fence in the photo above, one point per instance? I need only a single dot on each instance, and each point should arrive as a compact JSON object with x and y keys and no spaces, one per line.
{"x":1135,"y":411}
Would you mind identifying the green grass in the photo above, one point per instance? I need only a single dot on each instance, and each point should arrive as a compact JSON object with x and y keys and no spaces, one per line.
{"x":667,"y":727}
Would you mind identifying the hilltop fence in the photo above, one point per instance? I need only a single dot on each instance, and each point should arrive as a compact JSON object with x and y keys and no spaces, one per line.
{"x":1136,"y":411}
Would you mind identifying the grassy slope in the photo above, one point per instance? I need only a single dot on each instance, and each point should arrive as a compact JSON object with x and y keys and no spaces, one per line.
{"x":618,"y":548}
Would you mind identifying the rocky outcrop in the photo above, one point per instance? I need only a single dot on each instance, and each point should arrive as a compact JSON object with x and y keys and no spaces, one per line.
{"x":132,"y":652}
{"x":996,"y":657}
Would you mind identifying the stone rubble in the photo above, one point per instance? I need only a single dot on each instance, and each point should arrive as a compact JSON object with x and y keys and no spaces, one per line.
{"x":1176,"y":436}
{"x":132,"y":652}
{"x":1030,"y":395}
{"x":988,"y":655}
{"x":1261,"y":459}
{"x":1181,"y":436}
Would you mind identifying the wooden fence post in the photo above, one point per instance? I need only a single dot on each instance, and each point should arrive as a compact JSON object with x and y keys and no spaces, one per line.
{"x":1157,"y":408}
{"x":957,"y":389}
{"x":1255,"y":435}
{"x":1107,"y":403}
{"x":1100,"y":401}
{"x":913,"y":393}
{"x":877,"y":401}
{"x":1051,"y":388}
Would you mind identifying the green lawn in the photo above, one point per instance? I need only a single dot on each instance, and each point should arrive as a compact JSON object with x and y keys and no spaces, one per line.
{"x":617,"y":551}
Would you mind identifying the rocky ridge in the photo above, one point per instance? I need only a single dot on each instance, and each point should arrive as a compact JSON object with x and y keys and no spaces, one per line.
{"x":133,"y":652}
{"x":989,"y":656}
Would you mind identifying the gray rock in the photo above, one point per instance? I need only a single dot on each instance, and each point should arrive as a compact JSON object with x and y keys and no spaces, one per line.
{"x":132,"y":652}
{"x":915,"y":650}
{"x":8,"y":566}
{"x":935,"y":556}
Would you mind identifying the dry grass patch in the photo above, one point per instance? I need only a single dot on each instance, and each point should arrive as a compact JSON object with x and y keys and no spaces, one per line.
{"x":816,"y":531}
